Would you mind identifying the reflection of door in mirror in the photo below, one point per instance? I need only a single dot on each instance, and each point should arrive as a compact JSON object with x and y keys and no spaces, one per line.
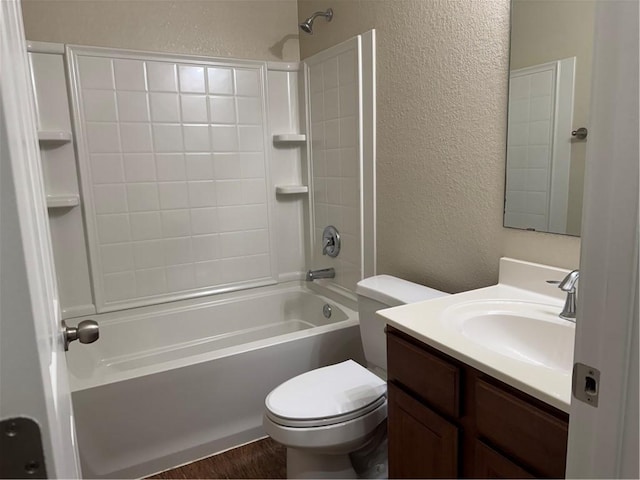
{"x":546,"y":35}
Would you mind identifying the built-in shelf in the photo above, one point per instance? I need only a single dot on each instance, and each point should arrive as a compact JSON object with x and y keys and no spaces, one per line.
{"x":45,"y":47}
{"x":291,"y":189}
{"x":289,"y":138}
{"x":62,"y":201}
{"x":54,"y":136}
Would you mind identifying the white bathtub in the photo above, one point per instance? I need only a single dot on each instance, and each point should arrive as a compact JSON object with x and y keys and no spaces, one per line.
{"x":166,"y":385}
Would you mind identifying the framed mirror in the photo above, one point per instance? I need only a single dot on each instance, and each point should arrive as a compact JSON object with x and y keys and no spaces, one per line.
{"x":549,"y":95}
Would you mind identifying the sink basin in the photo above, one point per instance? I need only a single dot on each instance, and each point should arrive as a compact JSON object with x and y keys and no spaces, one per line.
{"x":528,"y":332}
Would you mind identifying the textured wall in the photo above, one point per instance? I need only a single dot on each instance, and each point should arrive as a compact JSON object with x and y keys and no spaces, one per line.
{"x":441,"y":99}
{"x":257,"y":29}
{"x":545,"y":31}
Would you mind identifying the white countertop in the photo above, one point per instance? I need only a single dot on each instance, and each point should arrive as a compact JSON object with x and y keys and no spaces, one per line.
{"x":424,"y":321}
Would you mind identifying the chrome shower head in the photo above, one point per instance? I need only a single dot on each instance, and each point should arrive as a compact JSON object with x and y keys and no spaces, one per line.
{"x":307,"y":25}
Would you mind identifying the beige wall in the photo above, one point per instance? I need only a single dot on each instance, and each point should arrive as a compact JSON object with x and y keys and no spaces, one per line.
{"x":549,"y":30}
{"x":257,"y":29}
{"x":441,"y":99}
{"x":442,"y":95}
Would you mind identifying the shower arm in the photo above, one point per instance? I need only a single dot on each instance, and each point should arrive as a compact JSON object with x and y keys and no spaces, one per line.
{"x":328,"y":15}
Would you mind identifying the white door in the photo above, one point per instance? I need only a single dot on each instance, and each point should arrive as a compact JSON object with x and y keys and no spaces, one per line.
{"x":33,"y":369}
{"x":603,"y":440}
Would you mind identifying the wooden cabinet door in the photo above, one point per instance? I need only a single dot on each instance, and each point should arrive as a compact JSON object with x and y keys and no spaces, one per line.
{"x":490,"y":464}
{"x":525,"y":432}
{"x":421,"y":443}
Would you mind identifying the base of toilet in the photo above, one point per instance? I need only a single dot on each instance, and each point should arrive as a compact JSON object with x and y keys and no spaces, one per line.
{"x":308,"y":464}
{"x":369,"y":461}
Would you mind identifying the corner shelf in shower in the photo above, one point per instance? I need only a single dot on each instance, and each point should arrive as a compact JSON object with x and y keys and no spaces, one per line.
{"x":63,"y":201}
{"x":291,"y":189}
{"x":50,"y":137}
{"x":289,"y":138}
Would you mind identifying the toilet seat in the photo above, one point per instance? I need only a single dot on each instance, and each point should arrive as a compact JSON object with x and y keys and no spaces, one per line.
{"x":321,"y":422}
{"x":326,"y":396}
{"x":336,"y":439}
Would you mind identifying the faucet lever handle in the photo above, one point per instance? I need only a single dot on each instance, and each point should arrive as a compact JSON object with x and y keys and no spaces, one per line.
{"x":568,"y":283}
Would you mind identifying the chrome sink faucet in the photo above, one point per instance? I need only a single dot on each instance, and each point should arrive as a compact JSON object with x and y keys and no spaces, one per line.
{"x":323,"y":273}
{"x":568,"y":284}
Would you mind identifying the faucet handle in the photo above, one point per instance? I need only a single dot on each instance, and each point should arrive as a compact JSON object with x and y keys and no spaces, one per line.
{"x":568,"y":283}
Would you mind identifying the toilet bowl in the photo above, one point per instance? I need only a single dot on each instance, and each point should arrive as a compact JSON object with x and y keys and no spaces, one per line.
{"x":333,"y":419}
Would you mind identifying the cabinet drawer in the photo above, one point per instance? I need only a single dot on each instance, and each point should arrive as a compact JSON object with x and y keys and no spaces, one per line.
{"x":490,"y":464}
{"x":530,"y":434}
{"x":432,"y":378}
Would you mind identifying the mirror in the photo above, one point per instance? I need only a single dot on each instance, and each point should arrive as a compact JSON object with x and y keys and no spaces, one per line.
{"x":549,"y":95}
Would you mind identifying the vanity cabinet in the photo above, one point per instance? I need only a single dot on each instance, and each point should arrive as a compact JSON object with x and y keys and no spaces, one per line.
{"x":449,"y":420}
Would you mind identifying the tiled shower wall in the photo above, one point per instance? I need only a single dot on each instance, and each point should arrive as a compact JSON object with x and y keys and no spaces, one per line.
{"x":334,"y":103}
{"x":179,"y":173}
{"x":174,"y":176}
{"x":529,"y":149}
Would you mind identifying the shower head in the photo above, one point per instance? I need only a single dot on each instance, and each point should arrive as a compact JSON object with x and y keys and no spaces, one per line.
{"x":307,"y":25}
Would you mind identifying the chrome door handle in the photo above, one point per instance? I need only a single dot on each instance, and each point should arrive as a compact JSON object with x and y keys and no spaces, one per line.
{"x":581,"y":133}
{"x":87,"y":331}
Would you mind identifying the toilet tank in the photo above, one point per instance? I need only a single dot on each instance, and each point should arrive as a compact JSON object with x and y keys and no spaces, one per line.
{"x":376,"y":293}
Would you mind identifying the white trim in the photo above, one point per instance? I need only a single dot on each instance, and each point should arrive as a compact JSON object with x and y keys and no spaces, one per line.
{"x":311,"y":212}
{"x":360,"y":150}
{"x":369,"y":242}
{"x":291,"y":277}
{"x":607,"y":316}
{"x":168,"y":57}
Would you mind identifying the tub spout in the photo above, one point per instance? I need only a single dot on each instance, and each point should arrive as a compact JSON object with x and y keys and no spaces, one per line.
{"x":323,"y":273}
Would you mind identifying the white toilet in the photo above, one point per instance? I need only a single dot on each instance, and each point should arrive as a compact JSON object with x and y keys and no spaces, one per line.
{"x":333,"y":419}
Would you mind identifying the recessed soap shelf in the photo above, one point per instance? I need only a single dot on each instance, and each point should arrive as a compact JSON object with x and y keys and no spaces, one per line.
{"x":54,"y":136}
{"x":63,"y":201}
{"x":289,"y":138}
{"x":291,"y":189}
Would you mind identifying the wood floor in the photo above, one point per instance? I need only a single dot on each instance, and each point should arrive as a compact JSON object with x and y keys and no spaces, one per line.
{"x":262,"y":459}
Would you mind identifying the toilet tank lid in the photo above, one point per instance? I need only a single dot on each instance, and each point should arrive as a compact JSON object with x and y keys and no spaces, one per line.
{"x":395,"y":291}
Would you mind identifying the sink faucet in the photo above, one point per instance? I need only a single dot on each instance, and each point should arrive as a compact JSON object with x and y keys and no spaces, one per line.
{"x":323,"y":273}
{"x":568,"y":284}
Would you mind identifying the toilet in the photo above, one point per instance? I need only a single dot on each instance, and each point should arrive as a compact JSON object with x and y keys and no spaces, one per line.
{"x":333,"y":419}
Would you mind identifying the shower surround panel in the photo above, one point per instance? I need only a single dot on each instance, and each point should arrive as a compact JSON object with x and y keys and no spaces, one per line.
{"x":174,"y":170}
{"x":336,"y":152}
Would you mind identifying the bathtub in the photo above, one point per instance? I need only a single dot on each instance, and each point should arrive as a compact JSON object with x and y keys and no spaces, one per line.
{"x":166,"y":385}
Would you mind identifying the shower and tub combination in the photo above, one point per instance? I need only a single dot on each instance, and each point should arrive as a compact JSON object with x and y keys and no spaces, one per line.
{"x":170,"y":384}
{"x":184,"y":222}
